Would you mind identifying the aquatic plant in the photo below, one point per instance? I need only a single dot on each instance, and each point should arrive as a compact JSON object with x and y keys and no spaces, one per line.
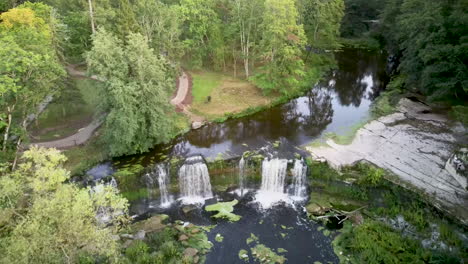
{"x":264,"y":254}
{"x":224,"y":210}
{"x":375,"y":242}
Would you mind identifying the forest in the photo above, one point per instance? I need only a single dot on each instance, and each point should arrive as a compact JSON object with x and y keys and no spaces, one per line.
{"x":134,"y":52}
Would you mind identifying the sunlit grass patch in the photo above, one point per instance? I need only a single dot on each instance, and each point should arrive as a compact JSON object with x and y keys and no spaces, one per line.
{"x":203,"y":84}
{"x":228,"y":95}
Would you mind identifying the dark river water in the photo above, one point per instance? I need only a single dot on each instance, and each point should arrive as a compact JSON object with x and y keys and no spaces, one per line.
{"x":335,"y":104}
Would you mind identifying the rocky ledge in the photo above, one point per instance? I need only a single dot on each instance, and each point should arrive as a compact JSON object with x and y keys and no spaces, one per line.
{"x":418,"y":147}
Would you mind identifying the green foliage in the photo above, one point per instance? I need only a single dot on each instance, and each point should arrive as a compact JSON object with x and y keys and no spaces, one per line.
{"x":375,"y":242}
{"x":322,"y":21}
{"x":165,"y":247}
{"x":74,"y":108}
{"x":29,"y":65}
{"x":128,"y":177}
{"x":460,"y":113}
{"x":161,"y":24}
{"x":281,"y":48}
{"x":225,"y":210}
{"x":321,"y":170}
{"x":55,"y":219}
{"x":431,"y":37}
{"x":219,"y":238}
{"x":264,"y":254}
{"x":358,"y":16}
{"x":136,"y":94}
{"x":370,"y":174}
{"x":202,"y":32}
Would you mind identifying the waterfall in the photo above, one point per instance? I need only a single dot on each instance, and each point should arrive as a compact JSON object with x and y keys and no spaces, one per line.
{"x":194,"y":180}
{"x":273,"y":175}
{"x":299,"y":179}
{"x":160,"y":175}
{"x":163,"y":180}
{"x":242,"y":175}
{"x":273,"y":181}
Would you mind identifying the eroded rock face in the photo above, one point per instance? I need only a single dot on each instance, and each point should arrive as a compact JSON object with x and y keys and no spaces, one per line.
{"x":413,"y":143}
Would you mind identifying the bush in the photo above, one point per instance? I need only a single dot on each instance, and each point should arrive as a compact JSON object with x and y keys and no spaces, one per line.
{"x":138,"y":252}
{"x":461,"y":114}
{"x":375,"y":242}
{"x":370,"y":175}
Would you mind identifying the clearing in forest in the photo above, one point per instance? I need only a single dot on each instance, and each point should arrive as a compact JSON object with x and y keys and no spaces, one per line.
{"x":228,"y":95}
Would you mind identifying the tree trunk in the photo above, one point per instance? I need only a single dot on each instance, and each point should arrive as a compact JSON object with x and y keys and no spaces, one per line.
{"x":235,"y":61}
{"x":7,"y":130}
{"x":91,"y":16}
{"x":15,"y":161}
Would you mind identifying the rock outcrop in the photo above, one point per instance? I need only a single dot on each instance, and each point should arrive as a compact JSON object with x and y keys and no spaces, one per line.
{"x":415,"y":144}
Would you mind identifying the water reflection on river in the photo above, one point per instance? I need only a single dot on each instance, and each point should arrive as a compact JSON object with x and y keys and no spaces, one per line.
{"x":339,"y":102}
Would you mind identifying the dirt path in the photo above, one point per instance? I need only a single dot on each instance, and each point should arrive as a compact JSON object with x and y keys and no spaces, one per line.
{"x":183,"y":99}
{"x":72,"y":71}
{"x":83,"y":135}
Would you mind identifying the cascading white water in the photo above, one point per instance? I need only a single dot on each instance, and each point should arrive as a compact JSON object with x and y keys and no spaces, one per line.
{"x":160,"y":175}
{"x":273,"y":175}
{"x":163,"y":180}
{"x":194,"y":181}
{"x":273,"y":182}
{"x":299,"y":180}
{"x":242,"y":175}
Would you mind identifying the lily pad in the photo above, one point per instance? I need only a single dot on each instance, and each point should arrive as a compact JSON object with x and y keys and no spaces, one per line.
{"x":243,"y":254}
{"x":224,"y":210}
{"x":252,"y":238}
{"x":219,"y":238}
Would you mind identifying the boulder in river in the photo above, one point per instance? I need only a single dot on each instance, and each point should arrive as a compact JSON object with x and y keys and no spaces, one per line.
{"x":197,"y":125}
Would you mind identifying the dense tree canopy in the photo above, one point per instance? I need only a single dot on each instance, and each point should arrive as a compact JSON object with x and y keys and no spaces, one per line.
{"x":29,"y":65}
{"x":431,"y":37}
{"x":51,"y":221}
{"x":282,"y":42}
{"x":137,"y":92}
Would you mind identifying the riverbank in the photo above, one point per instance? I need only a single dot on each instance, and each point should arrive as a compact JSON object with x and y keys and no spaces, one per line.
{"x":416,"y":145}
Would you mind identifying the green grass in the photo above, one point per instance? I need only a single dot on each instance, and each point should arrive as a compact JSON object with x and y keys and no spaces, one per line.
{"x":81,"y":158}
{"x":71,"y":110}
{"x":203,"y":84}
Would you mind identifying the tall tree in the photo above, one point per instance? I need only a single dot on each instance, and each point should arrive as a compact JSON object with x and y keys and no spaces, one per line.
{"x":51,"y":221}
{"x":202,"y":36}
{"x":29,"y":66}
{"x":162,"y":25}
{"x":431,"y":37}
{"x":137,"y":92}
{"x":322,"y":21}
{"x":281,"y":48}
{"x":245,"y":12}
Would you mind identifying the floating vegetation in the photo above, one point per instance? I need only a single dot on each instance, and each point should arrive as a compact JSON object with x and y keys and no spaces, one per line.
{"x":224,"y":210}
{"x":281,"y":250}
{"x":264,"y":254}
{"x":243,"y":254}
{"x":252,"y":238}
{"x":219,"y":238}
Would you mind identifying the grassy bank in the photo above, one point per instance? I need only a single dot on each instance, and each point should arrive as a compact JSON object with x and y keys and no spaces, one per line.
{"x":228,"y":95}
{"x":69,"y":112}
{"x":232,"y":97}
